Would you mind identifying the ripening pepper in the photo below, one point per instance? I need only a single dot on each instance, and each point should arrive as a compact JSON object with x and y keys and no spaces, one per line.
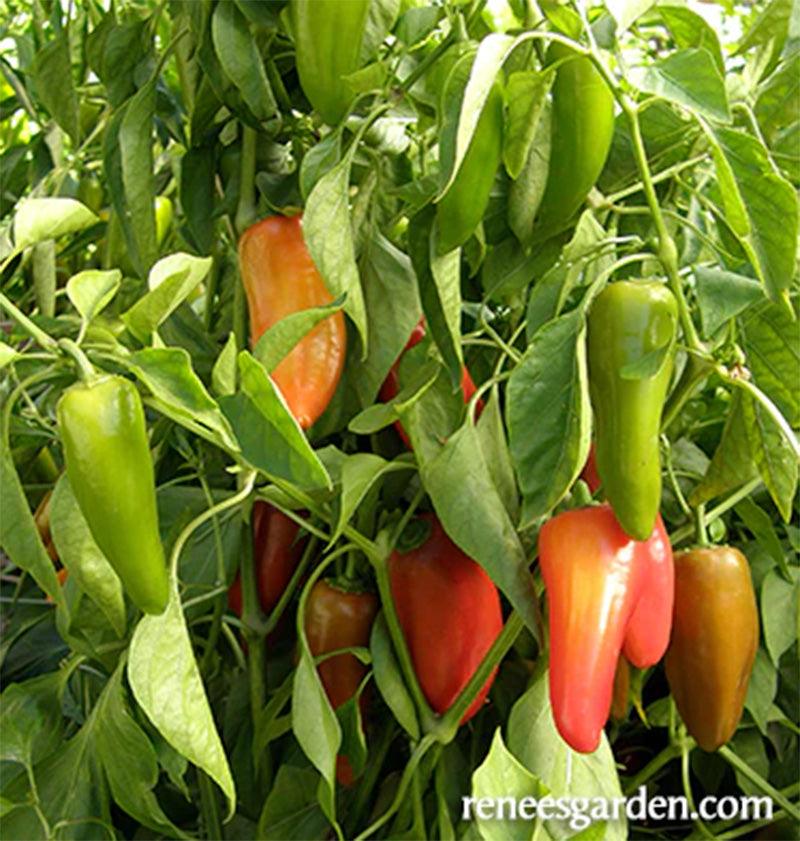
{"x":336,"y":618}
{"x":714,"y":641}
{"x":461,"y":208}
{"x":102,"y":427}
{"x":647,"y":635}
{"x":449,"y":611}
{"x":276,"y":553}
{"x":581,"y":134}
{"x":631,"y":346}
{"x":328,"y":36}
{"x":391,"y":385}
{"x":280,"y":278}
{"x":593,"y":579}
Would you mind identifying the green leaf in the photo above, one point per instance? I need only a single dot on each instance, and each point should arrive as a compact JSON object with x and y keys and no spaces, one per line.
{"x":492,"y":435}
{"x":166,"y":683}
{"x":83,"y":558}
{"x":762,"y":689}
{"x":760,"y":525}
{"x":171,"y":281}
{"x":549,"y":416}
{"x":439,"y":284}
{"x":52,"y":74}
{"x":492,"y":53}
{"x":535,"y":742}
{"x":270,"y":437}
{"x":19,"y":536}
{"x":37,"y":220}
{"x":691,"y":79}
{"x":769,"y":202}
{"x":132,"y":781}
{"x":240,"y":59}
{"x":690,"y":29}
{"x":779,"y":603}
{"x":223,"y":374}
{"x":389,"y":679}
{"x":291,"y":811}
{"x":328,"y":234}
{"x":277,"y":342}
{"x":526,"y":96}
{"x":499,"y":776}
{"x":526,"y":191}
{"x":626,"y":12}
{"x":722,"y":295}
{"x":393,"y":310}
{"x":91,"y":291}
{"x":197,"y":195}
{"x":318,"y":160}
{"x":771,"y":340}
{"x":472,"y":513}
{"x":181,"y":395}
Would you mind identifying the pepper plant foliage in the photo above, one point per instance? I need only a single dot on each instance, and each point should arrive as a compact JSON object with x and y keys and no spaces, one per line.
{"x":195,"y":722}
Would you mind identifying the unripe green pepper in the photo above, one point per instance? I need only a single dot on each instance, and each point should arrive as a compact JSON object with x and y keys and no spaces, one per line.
{"x":327,"y":36}
{"x":631,"y":347}
{"x":102,"y":427}
{"x":461,"y":208}
{"x":581,"y":134}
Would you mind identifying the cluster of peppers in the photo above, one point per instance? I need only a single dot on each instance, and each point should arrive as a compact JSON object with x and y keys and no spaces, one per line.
{"x":615,"y":594}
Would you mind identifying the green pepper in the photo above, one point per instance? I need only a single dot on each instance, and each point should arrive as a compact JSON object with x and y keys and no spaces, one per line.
{"x":581,"y":134}
{"x":102,"y":427}
{"x":461,"y":208}
{"x":631,"y":347}
{"x":328,"y":36}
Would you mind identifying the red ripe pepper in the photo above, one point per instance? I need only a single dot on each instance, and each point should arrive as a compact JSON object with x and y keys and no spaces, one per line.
{"x":589,"y":473}
{"x":593,"y":580}
{"x":280,"y":278}
{"x":391,"y":385}
{"x":449,"y":611}
{"x":335,"y":619}
{"x":647,"y":637}
{"x":276,"y":551}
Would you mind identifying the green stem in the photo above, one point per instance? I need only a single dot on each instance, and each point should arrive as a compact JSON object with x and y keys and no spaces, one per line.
{"x":734,"y":499}
{"x":740,"y":765}
{"x":253,"y":620}
{"x":652,"y":768}
{"x":696,"y":369}
{"x":773,"y":411}
{"x":377,"y":757}
{"x":687,"y":785}
{"x":667,"y":252}
{"x":663,"y":175}
{"x":246,"y":209}
{"x":287,"y":595}
{"x":36,"y":333}
{"x":209,"y":807}
{"x":85,"y":368}
{"x":700,"y":525}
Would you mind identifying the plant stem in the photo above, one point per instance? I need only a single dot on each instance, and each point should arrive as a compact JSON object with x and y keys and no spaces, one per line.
{"x":209,"y":807}
{"x":652,"y":768}
{"x":36,"y":333}
{"x":246,"y":209}
{"x":688,"y":530}
{"x":85,"y":368}
{"x":740,"y":765}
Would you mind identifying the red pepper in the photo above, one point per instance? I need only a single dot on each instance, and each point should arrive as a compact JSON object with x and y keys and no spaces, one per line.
{"x":647,"y":637}
{"x":589,"y":473}
{"x":449,"y":611}
{"x":276,"y":553}
{"x":335,"y":619}
{"x":391,"y":385}
{"x":593,"y":580}
{"x":280,"y":279}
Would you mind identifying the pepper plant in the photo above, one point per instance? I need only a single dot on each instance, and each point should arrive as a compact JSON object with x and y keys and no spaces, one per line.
{"x":321,"y":321}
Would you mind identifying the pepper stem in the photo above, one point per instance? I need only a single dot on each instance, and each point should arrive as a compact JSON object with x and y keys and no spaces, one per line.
{"x":85,"y":368}
{"x":700,"y":525}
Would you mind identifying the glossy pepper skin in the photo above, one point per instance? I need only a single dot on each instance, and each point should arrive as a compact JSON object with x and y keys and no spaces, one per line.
{"x":461,"y":208}
{"x":582,"y":130}
{"x":449,"y":611}
{"x":648,"y":632}
{"x":102,"y":428}
{"x":335,"y":619}
{"x":277,"y":552}
{"x":631,"y":331}
{"x":391,"y":385}
{"x":328,"y":36}
{"x":714,"y":641}
{"x":593,"y":580}
{"x":280,"y":278}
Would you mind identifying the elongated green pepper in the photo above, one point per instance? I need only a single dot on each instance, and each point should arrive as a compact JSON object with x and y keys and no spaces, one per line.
{"x":631,"y":338}
{"x":108,"y":464}
{"x":328,"y":37}
{"x":582,"y":129}
{"x":462,"y":207}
